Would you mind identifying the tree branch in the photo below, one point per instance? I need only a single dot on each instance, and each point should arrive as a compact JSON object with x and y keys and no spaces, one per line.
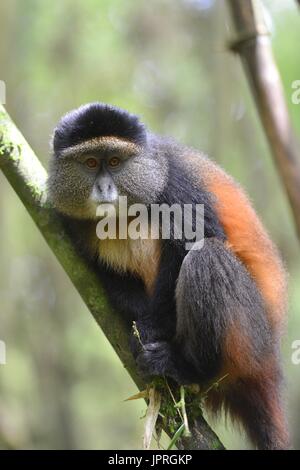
{"x":28,"y":178}
{"x":254,"y":46}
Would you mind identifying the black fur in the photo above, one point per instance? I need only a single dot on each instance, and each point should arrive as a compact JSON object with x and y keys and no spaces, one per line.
{"x":97,"y":120}
{"x":182,"y":189}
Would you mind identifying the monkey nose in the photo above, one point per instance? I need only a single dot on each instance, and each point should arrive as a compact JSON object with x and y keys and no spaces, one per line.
{"x":104,"y":191}
{"x":102,"y":188}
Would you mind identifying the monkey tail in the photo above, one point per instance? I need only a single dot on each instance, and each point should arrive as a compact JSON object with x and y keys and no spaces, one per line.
{"x":257,"y":404}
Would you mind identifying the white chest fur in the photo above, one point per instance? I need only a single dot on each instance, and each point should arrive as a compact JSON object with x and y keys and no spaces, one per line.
{"x":139,"y":257}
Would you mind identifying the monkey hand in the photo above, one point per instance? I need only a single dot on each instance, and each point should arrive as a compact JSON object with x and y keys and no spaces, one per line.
{"x":143,"y":333}
{"x":155,"y":359}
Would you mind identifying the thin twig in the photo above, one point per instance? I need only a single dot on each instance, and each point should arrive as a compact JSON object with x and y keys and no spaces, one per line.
{"x":181,"y":404}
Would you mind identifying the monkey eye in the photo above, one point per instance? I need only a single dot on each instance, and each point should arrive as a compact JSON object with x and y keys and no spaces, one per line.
{"x":91,"y":163}
{"x":113,"y":162}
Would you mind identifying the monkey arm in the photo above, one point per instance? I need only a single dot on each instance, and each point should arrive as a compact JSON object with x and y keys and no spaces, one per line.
{"x":162,"y":318}
{"x":126,"y":293}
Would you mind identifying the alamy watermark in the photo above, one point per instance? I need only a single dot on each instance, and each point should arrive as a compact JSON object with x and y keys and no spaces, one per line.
{"x":296,"y":93}
{"x":2,"y":92}
{"x":154,"y":221}
{"x":295,"y":358}
{"x":2,"y":353}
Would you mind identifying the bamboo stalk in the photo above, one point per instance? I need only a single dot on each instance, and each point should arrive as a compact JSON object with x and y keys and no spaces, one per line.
{"x":254,"y":47}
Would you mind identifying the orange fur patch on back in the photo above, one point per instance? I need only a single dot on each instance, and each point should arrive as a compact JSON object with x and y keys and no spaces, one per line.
{"x":250,"y":242}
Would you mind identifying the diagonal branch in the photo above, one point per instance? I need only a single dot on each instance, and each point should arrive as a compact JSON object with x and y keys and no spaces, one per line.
{"x":254,"y":46}
{"x":28,"y":178}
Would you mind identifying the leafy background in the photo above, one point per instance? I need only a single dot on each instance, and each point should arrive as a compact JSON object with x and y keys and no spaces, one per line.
{"x":63,"y":386}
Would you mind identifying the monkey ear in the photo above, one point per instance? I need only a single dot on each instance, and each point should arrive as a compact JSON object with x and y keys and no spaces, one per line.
{"x":98,"y":120}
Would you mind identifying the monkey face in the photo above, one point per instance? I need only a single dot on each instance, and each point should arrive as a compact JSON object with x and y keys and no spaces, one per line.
{"x":100,"y":153}
{"x":84,"y":176}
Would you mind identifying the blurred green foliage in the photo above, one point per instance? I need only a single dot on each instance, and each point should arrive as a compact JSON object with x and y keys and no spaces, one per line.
{"x":63,"y":386}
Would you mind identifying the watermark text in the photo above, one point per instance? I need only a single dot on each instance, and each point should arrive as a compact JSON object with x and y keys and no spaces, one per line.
{"x":2,"y":353}
{"x":2,"y":92}
{"x":155,"y":221}
{"x":295,"y":358}
{"x":296,"y":93}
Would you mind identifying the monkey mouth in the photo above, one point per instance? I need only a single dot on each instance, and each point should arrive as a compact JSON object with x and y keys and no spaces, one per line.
{"x":103,"y":208}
